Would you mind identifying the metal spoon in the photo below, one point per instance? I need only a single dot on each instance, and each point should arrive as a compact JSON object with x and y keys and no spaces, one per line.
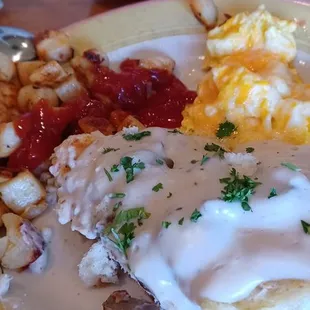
{"x":17,"y":44}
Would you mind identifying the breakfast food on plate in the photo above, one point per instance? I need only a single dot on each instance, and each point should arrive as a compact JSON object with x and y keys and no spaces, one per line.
{"x":213,"y":215}
{"x":23,"y":243}
{"x":205,"y":11}
{"x":251,"y":82}
{"x":157,"y":199}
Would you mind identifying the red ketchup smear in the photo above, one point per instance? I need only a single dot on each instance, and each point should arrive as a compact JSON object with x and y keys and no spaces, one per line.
{"x":155,"y":97}
{"x":40,"y":131}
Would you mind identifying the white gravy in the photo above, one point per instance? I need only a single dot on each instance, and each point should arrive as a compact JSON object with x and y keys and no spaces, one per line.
{"x":228,"y":251}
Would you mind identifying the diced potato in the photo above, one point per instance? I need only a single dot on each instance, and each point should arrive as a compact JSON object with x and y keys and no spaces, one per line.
{"x":3,"y":244}
{"x":7,"y":68}
{"x":68,"y":68}
{"x":69,"y":89}
{"x":51,"y":74}
{"x":54,"y":46}
{"x":3,"y":209}
{"x":83,"y":69}
{"x":84,"y":65}
{"x":6,"y":174}
{"x":8,"y":94}
{"x":30,"y":95}
{"x":34,"y":210}
{"x":96,"y":57}
{"x":117,"y":117}
{"x":90,"y":123}
{"x":24,"y":195}
{"x":205,"y":11}
{"x":130,"y":121}
{"x":158,"y":62}
{"x":9,"y":140}
{"x":24,"y":242}
{"x":26,"y":68}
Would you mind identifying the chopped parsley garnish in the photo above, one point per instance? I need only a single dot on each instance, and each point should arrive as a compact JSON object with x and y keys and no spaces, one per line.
{"x":115,"y":168}
{"x":306,"y":227}
{"x":170,"y":194}
{"x":250,"y":149}
{"x":108,"y":175}
{"x":159,"y":162}
{"x":124,"y":236}
{"x":194,"y":161}
{"x":225,"y":129}
{"x":273,"y":193}
{"x":157,"y":187}
{"x":136,"y":136}
{"x":128,"y":215}
{"x":165,"y":224}
{"x":180,"y":222}
{"x":290,"y":166}
{"x":238,"y":189}
{"x":175,"y":131}
{"x":117,"y":195}
{"x":205,"y":158}
{"x":117,"y":206}
{"x":129,"y":167}
{"x":122,"y":228}
{"x":218,"y":150}
{"x":195,"y":216}
{"x":108,"y":150}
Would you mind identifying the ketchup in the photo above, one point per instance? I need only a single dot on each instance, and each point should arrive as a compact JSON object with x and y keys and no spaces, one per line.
{"x":155,"y":97}
{"x":40,"y":131}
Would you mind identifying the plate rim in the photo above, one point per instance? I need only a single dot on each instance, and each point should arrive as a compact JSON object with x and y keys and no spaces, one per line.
{"x":143,"y":21}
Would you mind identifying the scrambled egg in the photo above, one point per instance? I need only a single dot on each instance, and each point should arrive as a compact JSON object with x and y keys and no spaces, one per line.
{"x":251,"y":82}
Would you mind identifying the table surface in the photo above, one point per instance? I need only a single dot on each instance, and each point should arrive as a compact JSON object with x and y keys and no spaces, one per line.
{"x":39,"y":15}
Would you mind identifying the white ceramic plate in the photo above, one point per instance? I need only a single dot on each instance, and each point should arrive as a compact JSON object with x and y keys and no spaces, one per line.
{"x":157,"y":27}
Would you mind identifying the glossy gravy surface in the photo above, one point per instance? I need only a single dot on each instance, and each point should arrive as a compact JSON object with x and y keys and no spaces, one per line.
{"x":227,"y":252}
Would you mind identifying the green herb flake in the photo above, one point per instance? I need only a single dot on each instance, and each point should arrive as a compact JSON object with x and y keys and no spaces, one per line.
{"x":238,"y":189}
{"x":180,"y":222}
{"x":129,"y":167}
{"x":291,"y":166}
{"x":136,"y":136}
{"x":165,"y":224}
{"x":170,"y":195}
{"x":195,"y":216}
{"x":250,"y":150}
{"x":122,"y":229}
{"x":218,"y":150}
{"x":306,"y":227}
{"x":273,"y":193}
{"x":117,"y":206}
{"x":108,"y":175}
{"x":205,"y":158}
{"x":157,"y":187}
{"x":115,"y":168}
{"x":128,"y":215}
{"x":124,"y":236}
{"x":108,"y":150}
{"x":225,"y":129}
{"x":159,"y":162}
{"x":117,"y":195}
{"x":175,"y":131}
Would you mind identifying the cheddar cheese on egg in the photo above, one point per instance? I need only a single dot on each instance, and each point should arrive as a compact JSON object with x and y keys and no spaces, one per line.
{"x":253,"y":31}
{"x":251,"y":83}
